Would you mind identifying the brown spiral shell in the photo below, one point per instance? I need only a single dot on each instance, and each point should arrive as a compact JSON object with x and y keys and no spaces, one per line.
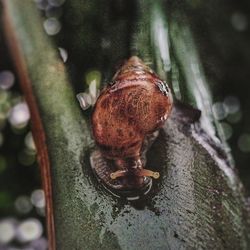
{"x":135,"y":104}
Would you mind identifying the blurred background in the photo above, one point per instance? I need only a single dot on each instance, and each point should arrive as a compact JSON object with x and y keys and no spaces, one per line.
{"x":222,"y":34}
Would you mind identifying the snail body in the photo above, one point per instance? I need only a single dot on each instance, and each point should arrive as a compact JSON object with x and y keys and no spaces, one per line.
{"x":130,"y":109}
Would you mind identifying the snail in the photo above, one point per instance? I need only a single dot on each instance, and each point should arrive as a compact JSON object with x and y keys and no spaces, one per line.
{"x":124,"y":120}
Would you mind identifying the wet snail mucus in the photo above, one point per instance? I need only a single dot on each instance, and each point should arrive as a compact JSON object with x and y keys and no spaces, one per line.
{"x":126,"y":116}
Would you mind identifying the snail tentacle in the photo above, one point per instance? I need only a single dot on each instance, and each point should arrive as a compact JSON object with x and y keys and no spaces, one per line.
{"x":147,"y":173}
{"x":118,"y":173}
{"x":142,"y":172}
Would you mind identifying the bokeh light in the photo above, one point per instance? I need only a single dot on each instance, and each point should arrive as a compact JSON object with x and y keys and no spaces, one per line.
{"x":39,"y":244}
{"x":244,"y":143}
{"x":239,"y":21}
{"x":23,"y":204}
{"x":19,"y":115}
{"x":219,"y":111}
{"x":28,"y":230}
{"x":38,"y":198}
{"x":7,"y":231}
{"x":231,"y":104}
{"x":84,"y":100}
{"x":52,"y":26}
{"x":7,"y":79}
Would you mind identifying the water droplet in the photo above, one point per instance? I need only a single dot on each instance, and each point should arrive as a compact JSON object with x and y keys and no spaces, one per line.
{"x":23,"y":204}
{"x":30,"y":229}
{"x":7,"y":79}
{"x":52,"y":26}
{"x":19,"y":115}
{"x":63,"y":53}
{"x":219,"y":111}
{"x":84,"y":100}
{"x":244,"y":143}
{"x":239,"y":21}
{"x":7,"y":231}
{"x":38,"y":198}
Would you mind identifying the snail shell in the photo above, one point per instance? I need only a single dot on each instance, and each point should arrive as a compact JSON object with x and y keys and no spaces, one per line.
{"x":133,"y":106}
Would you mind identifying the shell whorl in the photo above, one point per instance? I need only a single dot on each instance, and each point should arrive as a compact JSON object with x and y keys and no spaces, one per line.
{"x":135,"y":104}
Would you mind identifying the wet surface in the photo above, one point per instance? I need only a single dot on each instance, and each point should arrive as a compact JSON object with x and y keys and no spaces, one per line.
{"x":183,"y":210}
